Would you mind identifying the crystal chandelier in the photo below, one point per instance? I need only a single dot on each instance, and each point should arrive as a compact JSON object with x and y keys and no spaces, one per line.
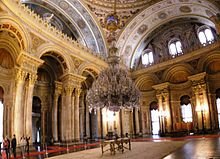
{"x":113,"y":88}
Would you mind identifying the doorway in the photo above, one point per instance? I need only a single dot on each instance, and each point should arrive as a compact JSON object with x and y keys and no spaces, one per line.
{"x":155,"y":122}
{"x":36,"y":120}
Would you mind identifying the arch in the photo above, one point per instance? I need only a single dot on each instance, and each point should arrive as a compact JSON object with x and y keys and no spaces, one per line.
{"x":36,"y":119}
{"x":79,"y":16}
{"x":145,"y":82}
{"x":58,"y":53}
{"x":14,"y":26}
{"x":217,"y":92}
{"x":178,"y":73}
{"x":154,"y":105}
{"x":132,"y":38}
{"x":206,"y":61}
{"x":94,"y":70}
{"x":2,"y":125}
{"x":185,"y":99}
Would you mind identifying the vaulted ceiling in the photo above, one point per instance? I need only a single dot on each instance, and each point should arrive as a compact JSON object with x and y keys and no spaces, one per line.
{"x":83,"y":20}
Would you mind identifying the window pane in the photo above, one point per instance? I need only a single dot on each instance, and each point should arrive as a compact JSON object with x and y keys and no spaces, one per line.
{"x":218,"y":108}
{"x":151,"y":58}
{"x":145,"y":59}
{"x":173,"y":49}
{"x":202,"y":37}
{"x":179,"y":47}
{"x":1,"y":121}
{"x":209,"y":35}
{"x":186,"y":111}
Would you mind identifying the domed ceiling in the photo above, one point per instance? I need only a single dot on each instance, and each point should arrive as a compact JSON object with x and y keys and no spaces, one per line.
{"x":84,"y":20}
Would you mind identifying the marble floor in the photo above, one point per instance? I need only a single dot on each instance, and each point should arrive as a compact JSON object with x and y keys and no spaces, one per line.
{"x":189,"y":147}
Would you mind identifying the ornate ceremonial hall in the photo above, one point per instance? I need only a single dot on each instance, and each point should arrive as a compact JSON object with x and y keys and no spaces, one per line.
{"x":90,"y":69}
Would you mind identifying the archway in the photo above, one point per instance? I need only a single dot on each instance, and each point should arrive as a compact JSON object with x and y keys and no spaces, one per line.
{"x":218,"y":105}
{"x":36,"y":120}
{"x":1,"y":114}
{"x":155,"y":123}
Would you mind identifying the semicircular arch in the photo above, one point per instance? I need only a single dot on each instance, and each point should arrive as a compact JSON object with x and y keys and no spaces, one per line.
{"x":14,"y":26}
{"x":145,"y":82}
{"x":210,"y":62}
{"x":178,"y":73}
{"x":58,"y":53}
{"x":146,"y":21}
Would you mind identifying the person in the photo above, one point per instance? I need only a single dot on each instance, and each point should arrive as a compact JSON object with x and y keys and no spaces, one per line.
{"x":14,"y":145}
{"x":23,"y":144}
{"x":9,"y":146}
{"x":5,"y":146}
{"x":27,"y":144}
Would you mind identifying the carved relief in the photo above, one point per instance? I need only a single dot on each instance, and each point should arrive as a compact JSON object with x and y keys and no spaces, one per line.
{"x":37,"y":41}
{"x":185,"y":9}
{"x":76,"y":62}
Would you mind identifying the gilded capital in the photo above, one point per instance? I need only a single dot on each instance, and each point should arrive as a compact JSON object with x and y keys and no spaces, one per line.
{"x":32,"y":78}
{"x":78,"y":91}
{"x":21,"y":75}
{"x":68,"y":90}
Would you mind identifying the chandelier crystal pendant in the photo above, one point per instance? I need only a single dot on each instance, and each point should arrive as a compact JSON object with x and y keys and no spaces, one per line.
{"x":113,"y":88}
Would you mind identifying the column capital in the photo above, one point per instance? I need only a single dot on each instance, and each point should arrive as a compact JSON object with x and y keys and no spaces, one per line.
{"x":73,"y":79}
{"x":198,"y":78}
{"x":68,"y":90}
{"x":58,"y":87}
{"x":32,"y":78}
{"x":21,"y":74}
{"x":78,"y":91}
{"x":28,"y":63}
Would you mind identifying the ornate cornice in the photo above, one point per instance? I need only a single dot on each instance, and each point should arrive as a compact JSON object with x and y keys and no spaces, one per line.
{"x":44,"y":28}
{"x":72,"y":79}
{"x":28,"y":62}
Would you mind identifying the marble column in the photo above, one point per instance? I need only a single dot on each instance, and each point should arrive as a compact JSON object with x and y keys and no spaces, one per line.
{"x":77,"y":95}
{"x":30,"y":88}
{"x":160,"y":103}
{"x":168,"y":117}
{"x":122,"y":118}
{"x":54,"y":117}
{"x":19,"y":107}
{"x":99,"y":123}
{"x":73,"y":118}
{"x":43,"y":123}
{"x":137,"y":126}
{"x":206,"y":107}
{"x":69,"y":91}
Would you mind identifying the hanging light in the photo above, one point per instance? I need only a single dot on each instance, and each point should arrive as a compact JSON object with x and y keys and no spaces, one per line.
{"x":113,"y":88}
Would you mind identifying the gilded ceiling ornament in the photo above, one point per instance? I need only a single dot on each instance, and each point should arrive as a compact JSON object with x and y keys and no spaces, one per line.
{"x":142,"y":29}
{"x":185,"y":9}
{"x":64,"y":5}
{"x":162,"y":15}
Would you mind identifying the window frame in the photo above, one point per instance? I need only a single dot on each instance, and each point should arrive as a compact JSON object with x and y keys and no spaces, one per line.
{"x":203,"y":30}
{"x":178,"y":51}
{"x":147,"y":53}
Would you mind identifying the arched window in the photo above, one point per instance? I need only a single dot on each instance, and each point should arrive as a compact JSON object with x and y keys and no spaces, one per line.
{"x":155,"y":123}
{"x":186,"y":109}
{"x":205,"y":35}
{"x":175,"y":47}
{"x":218,"y":104}
{"x":218,"y":108}
{"x":1,"y":121}
{"x":147,"y":57}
